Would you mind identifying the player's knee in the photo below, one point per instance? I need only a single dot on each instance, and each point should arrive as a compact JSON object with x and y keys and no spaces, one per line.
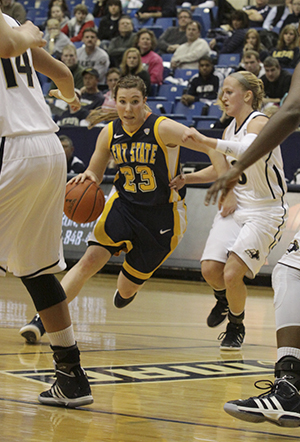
{"x":45,"y":291}
{"x":231,"y":277}
{"x":211,"y":272}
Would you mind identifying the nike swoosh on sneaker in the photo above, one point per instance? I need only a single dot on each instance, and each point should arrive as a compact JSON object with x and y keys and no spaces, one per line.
{"x":162,"y":232}
{"x":117,"y":136}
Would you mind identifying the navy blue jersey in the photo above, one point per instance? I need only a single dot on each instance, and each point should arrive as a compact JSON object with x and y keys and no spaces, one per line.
{"x":145,"y":164}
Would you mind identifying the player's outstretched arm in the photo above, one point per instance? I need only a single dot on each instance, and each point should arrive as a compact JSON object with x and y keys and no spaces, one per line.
{"x":15,"y":41}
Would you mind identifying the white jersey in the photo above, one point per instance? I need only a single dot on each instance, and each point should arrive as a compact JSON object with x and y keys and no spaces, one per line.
{"x":263,"y":183}
{"x":20,"y":92}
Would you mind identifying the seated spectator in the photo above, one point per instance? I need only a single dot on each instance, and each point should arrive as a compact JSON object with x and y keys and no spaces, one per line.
{"x":69,"y":58}
{"x":62,"y":4}
{"x":100,"y":8}
{"x":252,"y":42}
{"x":276,"y":81}
{"x":90,"y":55}
{"x":287,"y":49}
{"x":203,"y":87}
{"x":14,"y":9}
{"x":146,"y":42}
{"x":252,"y":63}
{"x":108,"y":26}
{"x":75,"y":27}
{"x":188,"y":54}
{"x":55,"y":39}
{"x":112,"y":76}
{"x":257,"y":13}
{"x":277,"y":15}
{"x":70,"y":117}
{"x":233,"y":43}
{"x":132,"y":65}
{"x":123,"y":41}
{"x":57,"y":12}
{"x":174,"y":36}
{"x":156,"y":9}
{"x":91,"y":97}
{"x":74,"y":164}
{"x":293,"y":18}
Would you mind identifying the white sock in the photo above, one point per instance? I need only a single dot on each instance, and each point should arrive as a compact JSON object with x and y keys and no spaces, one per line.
{"x":288,"y":351}
{"x":62,"y":338}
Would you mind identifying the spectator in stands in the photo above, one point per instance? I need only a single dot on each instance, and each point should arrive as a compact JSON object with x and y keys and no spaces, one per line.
{"x":252,"y":63}
{"x":276,"y":81}
{"x":69,"y":58}
{"x":112,"y":76}
{"x":14,"y":9}
{"x":194,"y":4}
{"x":132,"y":65}
{"x":234,"y":42}
{"x":293,"y":18}
{"x":146,"y":42}
{"x":252,"y":42}
{"x":188,"y":54}
{"x":109,"y":24}
{"x":57,"y":12}
{"x":204,"y":86}
{"x":91,"y":97}
{"x":74,"y":164}
{"x":75,"y":27}
{"x":90,"y":55}
{"x":287,"y":49}
{"x":174,"y":36}
{"x":277,"y":15}
{"x":56,"y":40}
{"x":257,"y":13}
{"x":62,"y":4}
{"x":100,"y":8}
{"x":123,"y":41}
{"x":156,"y":9}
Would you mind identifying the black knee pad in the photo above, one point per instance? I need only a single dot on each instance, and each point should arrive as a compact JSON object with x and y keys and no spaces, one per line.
{"x":45,"y":291}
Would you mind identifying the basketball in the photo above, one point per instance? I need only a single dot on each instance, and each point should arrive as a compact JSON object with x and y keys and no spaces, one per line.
{"x":84,"y":202}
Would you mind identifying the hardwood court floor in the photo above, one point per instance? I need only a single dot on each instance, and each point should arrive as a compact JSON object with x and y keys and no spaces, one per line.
{"x":156,"y":370}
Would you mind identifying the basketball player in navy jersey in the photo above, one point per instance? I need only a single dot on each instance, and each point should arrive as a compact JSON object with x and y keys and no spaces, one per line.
{"x":32,"y":171}
{"x":281,"y":404}
{"x":143,"y":216}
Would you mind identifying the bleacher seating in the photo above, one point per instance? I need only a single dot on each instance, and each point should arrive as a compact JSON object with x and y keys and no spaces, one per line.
{"x":191,"y":112}
{"x":229,"y":59}
{"x":170,"y":91}
{"x":185,"y":74}
{"x":205,"y":123}
{"x":203,"y":16}
{"x":161,"y":106}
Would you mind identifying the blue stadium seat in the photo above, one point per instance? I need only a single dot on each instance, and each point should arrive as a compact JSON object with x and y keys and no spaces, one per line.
{"x":165,"y":22}
{"x":138,"y":24}
{"x":170,"y":91}
{"x":185,"y":74}
{"x":166,"y":57}
{"x":30,"y":14}
{"x":214,"y":111}
{"x":229,"y":59}
{"x":161,"y":106}
{"x":205,"y":21}
{"x":190,"y":112}
{"x":205,"y":123}
{"x":38,"y":21}
{"x":158,"y":30}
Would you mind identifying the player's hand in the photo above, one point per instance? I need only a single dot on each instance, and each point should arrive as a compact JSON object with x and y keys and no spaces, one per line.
{"x":223,"y":184}
{"x":227,"y":205}
{"x":87,"y":174}
{"x":178,"y":182}
{"x":75,"y":104}
{"x":192,"y":134}
{"x":34,"y":33}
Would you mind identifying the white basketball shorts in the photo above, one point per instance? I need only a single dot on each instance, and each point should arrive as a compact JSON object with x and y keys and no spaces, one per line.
{"x":32,"y":189}
{"x":249,"y":233}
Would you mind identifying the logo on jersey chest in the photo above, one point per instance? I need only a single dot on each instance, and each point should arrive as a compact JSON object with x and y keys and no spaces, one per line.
{"x":134,"y":152}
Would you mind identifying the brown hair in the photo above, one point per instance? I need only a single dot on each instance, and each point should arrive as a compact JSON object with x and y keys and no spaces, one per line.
{"x":145,"y":31}
{"x":124,"y":67}
{"x":281,"y":43}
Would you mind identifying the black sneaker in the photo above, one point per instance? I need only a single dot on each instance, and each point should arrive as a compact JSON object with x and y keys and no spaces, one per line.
{"x":33,"y":331}
{"x":280,"y":405}
{"x":233,"y":337}
{"x":219,"y":312}
{"x":69,"y":390}
{"x":120,"y":302}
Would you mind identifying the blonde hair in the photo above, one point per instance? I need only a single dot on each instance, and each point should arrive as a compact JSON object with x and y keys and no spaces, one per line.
{"x":124,"y":67}
{"x":281,"y":43}
{"x":248,"y":82}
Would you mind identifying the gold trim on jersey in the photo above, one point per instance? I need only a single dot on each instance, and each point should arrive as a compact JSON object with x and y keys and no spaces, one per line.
{"x":100,"y":233}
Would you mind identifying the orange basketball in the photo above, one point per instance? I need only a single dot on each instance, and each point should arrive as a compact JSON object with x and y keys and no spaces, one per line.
{"x":84,"y":202}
